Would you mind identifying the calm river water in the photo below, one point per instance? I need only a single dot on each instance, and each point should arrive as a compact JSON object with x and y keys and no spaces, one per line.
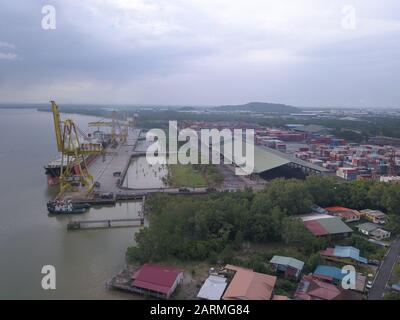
{"x":30,"y":239}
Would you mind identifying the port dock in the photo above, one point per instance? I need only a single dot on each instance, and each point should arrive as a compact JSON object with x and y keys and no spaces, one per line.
{"x":105,"y":224}
{"x":110,"y":189}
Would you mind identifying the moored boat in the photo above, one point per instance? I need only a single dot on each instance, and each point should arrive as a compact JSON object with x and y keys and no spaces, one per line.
{"x":66,"y":207}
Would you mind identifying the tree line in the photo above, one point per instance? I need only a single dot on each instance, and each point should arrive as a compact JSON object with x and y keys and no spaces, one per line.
{"x":216,"y":225}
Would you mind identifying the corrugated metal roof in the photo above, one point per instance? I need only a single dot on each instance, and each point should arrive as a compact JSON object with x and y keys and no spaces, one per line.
{"x":368,"y":226}
{"x":329,"y":271}
{"x":266,"y":159}
{"x":315,"y":228}
{"x":311,"y":128}
{"x":349,"y":252}
{"x":313,"y":289}
{"x":213,"y":288}
{"x":338,"y":209}
{"x":294,"y":159}
{"x":156,"y":278}
{"x":249,"y":285}
{"x":263,"y":160}
{"x":334,"y":225}
{"x":288,"y":261}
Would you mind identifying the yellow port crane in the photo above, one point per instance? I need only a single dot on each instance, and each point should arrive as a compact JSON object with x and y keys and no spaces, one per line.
{"x":73,"y":164}
{"x":114,"y":124}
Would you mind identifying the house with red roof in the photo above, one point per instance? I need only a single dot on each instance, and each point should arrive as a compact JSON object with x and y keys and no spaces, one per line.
{"x":156,"y":280}
{"x":312,"y":288}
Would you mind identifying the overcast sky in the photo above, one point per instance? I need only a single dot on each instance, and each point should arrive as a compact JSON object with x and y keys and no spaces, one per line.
{"x":202,"y":52}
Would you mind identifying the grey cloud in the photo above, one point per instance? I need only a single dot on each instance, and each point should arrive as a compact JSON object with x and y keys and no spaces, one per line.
{"x":196,"y":53}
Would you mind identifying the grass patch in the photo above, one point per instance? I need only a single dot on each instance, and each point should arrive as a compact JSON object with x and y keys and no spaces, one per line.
{"x":180,"y":175}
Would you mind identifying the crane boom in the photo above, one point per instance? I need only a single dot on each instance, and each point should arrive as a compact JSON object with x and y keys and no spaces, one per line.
{"x":100,"y":124}
{"x":74,"y":168}
{"x":57,"y":127}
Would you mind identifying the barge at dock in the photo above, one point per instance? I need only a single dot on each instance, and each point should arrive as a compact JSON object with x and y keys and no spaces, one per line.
{"x":66,"y":207}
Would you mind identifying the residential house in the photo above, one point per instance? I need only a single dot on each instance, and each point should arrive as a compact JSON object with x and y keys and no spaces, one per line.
{"x":329,"y":274}
{"x":157,"y":281}
{"x":373,"y":230}
{"x":310,"y":288}
{"x":249,"y":285}
{"x":343,"y":254}
{"x":289,"y":267}
{"x":346,"y":214}
{"x":335,"y":276}
{"x":374,"y":216}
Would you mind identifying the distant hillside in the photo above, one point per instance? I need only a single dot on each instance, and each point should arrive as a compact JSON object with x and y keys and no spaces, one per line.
{"x":261,"y":107}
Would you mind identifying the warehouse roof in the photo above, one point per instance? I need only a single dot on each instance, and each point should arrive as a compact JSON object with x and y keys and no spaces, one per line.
{"x":288,"y":261}
{"x":311,"y":128}
{"x":267,"y":158}
{"x":213,"y":288}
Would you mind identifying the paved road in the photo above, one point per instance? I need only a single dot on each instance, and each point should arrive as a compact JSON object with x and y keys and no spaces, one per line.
{"x":385,"y":271}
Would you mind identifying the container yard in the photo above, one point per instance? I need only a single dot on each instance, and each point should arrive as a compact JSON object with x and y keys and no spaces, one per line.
{"x":379,"y":159}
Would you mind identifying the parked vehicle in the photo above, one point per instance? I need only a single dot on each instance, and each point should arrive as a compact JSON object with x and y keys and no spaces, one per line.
{"x":369,"y":284}
{"x":374,"y":262}
{"x":107,"y":195}
{"x":396,"y":287}
{"x":184,"y":190}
